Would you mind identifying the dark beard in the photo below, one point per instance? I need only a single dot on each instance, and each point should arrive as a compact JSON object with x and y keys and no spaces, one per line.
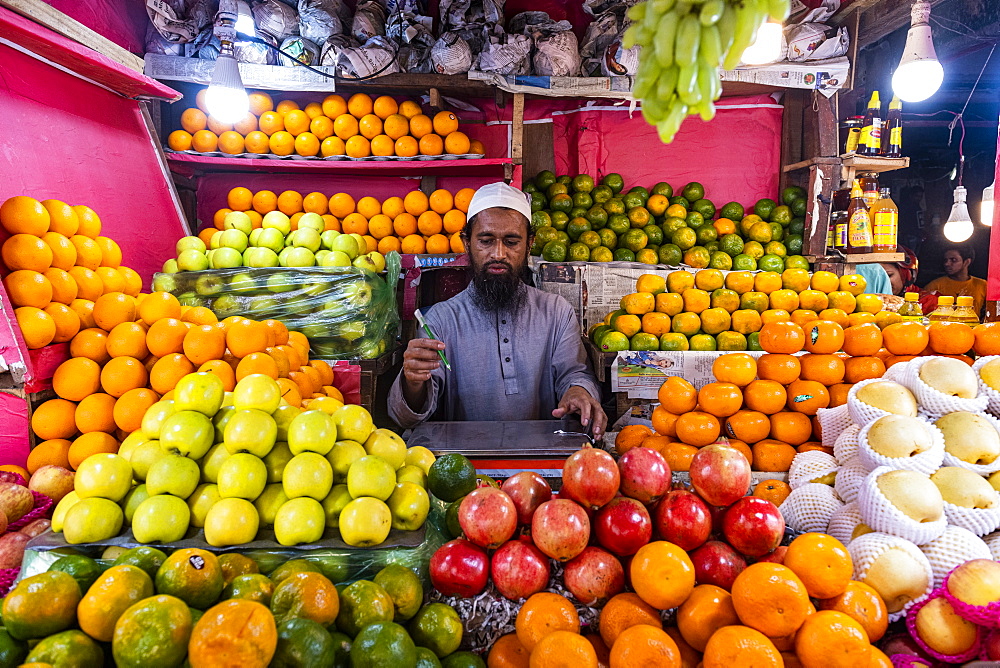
{"x":495,"y":293}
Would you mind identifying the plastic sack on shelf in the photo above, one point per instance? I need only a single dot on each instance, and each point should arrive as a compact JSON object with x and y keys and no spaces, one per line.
{"x":461,"y":13}
{"x":375,"y":57}
{"x":369,"y":21}
{"x":178,"y":21}
{"x":158,"y":44}
{"x":303,"y":52}
{"x":414,"y":34}
{"x":276,"y":18}
{"x":319,"y":19}
{"x":557,"y":53}
{"x":506,"y":54}
{"x":451,"y":55}
{"x":816,"y":41}
{"x":258,"y":54}
{"x":604,"y":31}
{"x":334,"y":46}
{"x":345,"y":312}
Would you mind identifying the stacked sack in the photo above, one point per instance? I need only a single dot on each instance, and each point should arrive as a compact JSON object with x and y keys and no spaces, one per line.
{"x":912,"y":490}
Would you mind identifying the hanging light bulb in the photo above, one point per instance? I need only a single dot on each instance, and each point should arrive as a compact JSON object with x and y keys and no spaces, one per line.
{"x":244,"y":19}
{"x":766,"y":48}
{"x":959,"y":225}
{"x":986,"y":207}
{"x":919,"y":74}
{"x":226,"y":99}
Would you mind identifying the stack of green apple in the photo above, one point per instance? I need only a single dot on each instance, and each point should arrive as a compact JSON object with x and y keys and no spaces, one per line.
{"x":274,"y":244}
{"x":345,"y":312}
{"x":234,"y":463}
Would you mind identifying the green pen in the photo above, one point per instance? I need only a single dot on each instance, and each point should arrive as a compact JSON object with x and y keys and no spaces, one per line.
{"x":430,"y":334}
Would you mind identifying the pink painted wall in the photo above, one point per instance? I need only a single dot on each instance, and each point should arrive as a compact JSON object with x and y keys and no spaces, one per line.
{"x":122,"y":21}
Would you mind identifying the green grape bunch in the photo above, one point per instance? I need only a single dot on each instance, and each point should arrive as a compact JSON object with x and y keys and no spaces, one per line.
{"x":684,"y":44}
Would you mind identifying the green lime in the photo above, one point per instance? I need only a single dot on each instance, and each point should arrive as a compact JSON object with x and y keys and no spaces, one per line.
{"x":438,"y":628}
{"x":602,"y":194}
{"x":797,"y":226}
{"x":590,"y":239}
{"x":556,"y":189}
{"x":753,"y":341}
{"x":427,"y":658}
{"x":677,"y":199}
{"x":565,"y":180}
{"x":796,"y":261}
{"x":576,"y":227}
{"x":559,"y":217}
{"x":544,"y":179}
{"x":583,"y":183}
{"x":451,"y":519}
{"x":554,"y":251}
{"x":638,"y":216}
{"x":562,"y":237}
{"x":635,"y":240}
{"x":583,"y":200}
{"x":647,"y":256}
{"x":674,"y":341}
{"x":777,"y":231}
{"x":670,"y":254}
{"x":712,"y":246}
{"x":538,"y":202}
{"x":754,"y":301}
{"x":633,"y":199}
{"x":614,"y":205}
{"x":641,"y":192}
{"x":562,"y":202}
{"x":147,"y":558}
{"x":578,"y":212}
{"x":529,"y":188}
{"x":731,"y":341}
{"x":578,"y":252}
{"x":792,"y":193}
{"x":672,"y":223}
{"x":362,"y":603}
{"x":694,"y":220}
{"x":601,"y":254}
{"x":451,"y":476}
{"x":12,"y":651}
{"x":597,"y":216}
{"x":597,"y":333}
{"x":775,"y":248}
{"x":544,"y":235}
{"x":654,"y":233}
{"x":720,"y":260}
{"x":781,"y":215}
{"x":303,"y":643}
{"x":644,"y":341}
{"x":703,"y":342}
{"x":704,"y":207}
{"x":731,"y":244}
{"x":764,"y":207}
{"x":624,"y":255}
{"x":693,"y":191}
{"x":83,"y":569}
{"x":760,"y":232}
{"x":732,"y":210}
{"x":608,"y":238}
{"x":404,"y":588}
{"x":613,"y":342}
{"x":462,"y":660}
{"x":772,"y":263}
{"x":697,"y":257}
{"x":613,"y":181}
{"x":793,"y":242}
{"x":706,"y":234}
{"x":798,"y":207}
{"x":383,"y":644}
{"x":743,"y":262}
{"x":540,"y":219}
{"x":662,"y":188}
{"x":684,"y":238}
{"x":618,"y":223}
{"x":754,"y":249}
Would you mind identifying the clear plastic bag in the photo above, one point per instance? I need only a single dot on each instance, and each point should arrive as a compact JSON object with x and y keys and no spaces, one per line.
{"x":319,"y":20}
{"x":277,"y":19}
{"x":346,"y":312}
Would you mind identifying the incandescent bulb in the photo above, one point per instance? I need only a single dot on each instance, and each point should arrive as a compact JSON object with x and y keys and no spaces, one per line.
{"x":919,"y":74}
{"x":226,"y":98}
{"x":986,"y":207}
{"x":959,"y":226}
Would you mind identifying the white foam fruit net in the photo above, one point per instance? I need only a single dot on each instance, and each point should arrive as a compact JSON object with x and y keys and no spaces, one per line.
{"x":896,"y":371}
{"x":926,"y":462}
{"x":843,"y":521}
{"x":832,"y":422}
{"x":992,"y":396}
{"x":849,"y":479}
{"x":934,"y":402}
{"x":980,"y":521}
{"x":878,"y":513}
{"x":864,"y":550}
{"x":993,"y":542}
{"x":955,"y":546}
{"x":846,"y":446}
{"x":862,"y":413}
{"x":809,"y":507}
{"x":981,"y":469}
{"x":810,"y":466}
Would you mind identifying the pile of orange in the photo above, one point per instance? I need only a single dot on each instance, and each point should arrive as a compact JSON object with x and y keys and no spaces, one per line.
{"x":358,"y":127}
{"x":56,"y":265}
{"x":132,"y":354}
{"x":413,"y":223}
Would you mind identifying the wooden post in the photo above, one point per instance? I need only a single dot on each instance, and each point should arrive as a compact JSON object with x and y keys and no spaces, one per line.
{"x":435,"y":95}
{"x":517,"y":130}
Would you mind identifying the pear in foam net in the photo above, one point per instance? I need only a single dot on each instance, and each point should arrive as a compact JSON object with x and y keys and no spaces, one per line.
{"x":964,"y":488}
{"x":950,"y":376}
{"x":969,"y":437}
{"x":890,"y":397}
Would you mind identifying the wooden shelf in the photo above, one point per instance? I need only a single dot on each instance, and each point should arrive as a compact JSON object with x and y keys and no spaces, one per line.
{"x":806,"y":164}
{"x":186,"y":164}
{"x":862,"y":163}
{"x":864,"y":258}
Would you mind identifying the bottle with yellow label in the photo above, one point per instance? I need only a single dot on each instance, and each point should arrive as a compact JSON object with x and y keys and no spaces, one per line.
{"x":892,"y":133}
{"x":911,"y":311}
{"x":870,"y":142}
{"x":885,"y":223}
{"x":964,"y":311}
{"x":859,"y":224}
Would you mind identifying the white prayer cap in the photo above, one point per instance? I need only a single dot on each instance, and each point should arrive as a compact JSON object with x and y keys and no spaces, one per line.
{"x":499,"y":195}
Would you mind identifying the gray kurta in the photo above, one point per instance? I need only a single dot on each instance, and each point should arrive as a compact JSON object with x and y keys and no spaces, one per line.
{"x":503,"y":367}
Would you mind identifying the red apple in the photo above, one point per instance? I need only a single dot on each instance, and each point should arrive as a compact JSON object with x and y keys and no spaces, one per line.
{"x":460,"y":568}
{"x":594,"y":576}
{"x":717,"y":564}
{"x":488,"y":517}
{"x":53,"y":481}
{"x":560,"y":528}
{"x":590,"y":477}
{"x":992,"y":646}
{"x":753,"y":526}
{"x":519,"y":569}
{"x":527,"y":490}
{"x":682,"y":518}
{"x":903,"y":643}
{"x":645,"y":475}
{"x":623,"y":526}
{"x":776,"y":557}
{"x":720,"y":474}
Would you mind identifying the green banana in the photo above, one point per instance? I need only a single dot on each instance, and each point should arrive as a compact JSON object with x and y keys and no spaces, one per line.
{"x":687,"y":85}
{"x":710,"y":47}
{"x":711,"y":12}
{"x":687,"y":40}
{"x":664,"y":40}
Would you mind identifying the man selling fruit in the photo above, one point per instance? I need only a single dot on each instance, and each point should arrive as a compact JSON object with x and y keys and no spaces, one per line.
{"x":515,"y":352}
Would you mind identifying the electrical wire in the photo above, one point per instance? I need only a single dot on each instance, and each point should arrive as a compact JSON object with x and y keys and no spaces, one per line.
{"x":959,"y":117}
{"x":243,"y":37}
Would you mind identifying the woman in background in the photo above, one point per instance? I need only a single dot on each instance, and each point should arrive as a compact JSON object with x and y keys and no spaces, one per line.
{"x":903,"y":277}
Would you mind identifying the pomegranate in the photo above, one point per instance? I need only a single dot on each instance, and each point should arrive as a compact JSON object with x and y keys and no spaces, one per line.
{"x":560,"y":529}
{"x":594,"y":576}
{"x":720,"y":474}
{"x":753,"y":526}
{"x":527,"y":490}
{"x":682,"y":518}
{"x":487,"y":516}
{"x":590,"y":477}
{"x":460,"y":568}
{"x":645,"y":475}
{"x":717,"y":564}
{"x":776,"y":557}
{"x":519,"y":569}
{"x":623,"y":526}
